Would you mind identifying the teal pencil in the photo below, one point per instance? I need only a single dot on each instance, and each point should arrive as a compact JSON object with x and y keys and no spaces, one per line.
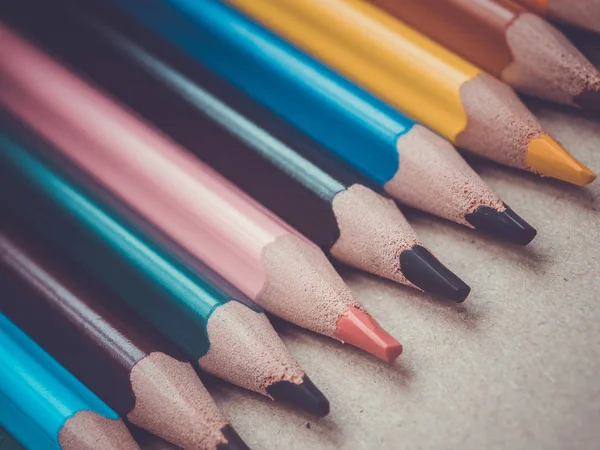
{"x":188,"y":304}
{"x":45,"y":407}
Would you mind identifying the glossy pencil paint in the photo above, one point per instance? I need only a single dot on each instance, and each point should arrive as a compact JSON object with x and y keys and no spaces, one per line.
{"x":253,"y":148}
{"x":191,"y":307}
{"x":419,"y":77}
{"x":106,"y":346}
{"x":45,"y":407}
{"x":409,"y":162}
{"x":196,"y":207}
{"x":507,"y":41}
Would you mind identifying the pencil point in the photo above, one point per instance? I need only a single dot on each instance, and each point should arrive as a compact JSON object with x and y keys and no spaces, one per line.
{"x":550,"y":159}
{"x":361,"y":330}
{"x":88,"y":429}
{"x":589,"y":100}
{"x":172,"y":402}
{"x":234,"y":441}
{"x":425,"y":271}
{"x":304,"y":395}
{"x":505,"y":224}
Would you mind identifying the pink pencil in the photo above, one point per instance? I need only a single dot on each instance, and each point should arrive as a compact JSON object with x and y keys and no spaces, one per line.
{"x":259,"y":254}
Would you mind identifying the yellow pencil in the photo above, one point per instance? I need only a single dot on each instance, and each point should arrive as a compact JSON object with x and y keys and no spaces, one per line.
{"x":420,"y":78}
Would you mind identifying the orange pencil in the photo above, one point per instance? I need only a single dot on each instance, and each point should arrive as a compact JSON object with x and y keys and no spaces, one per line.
{"x":580,"y":13}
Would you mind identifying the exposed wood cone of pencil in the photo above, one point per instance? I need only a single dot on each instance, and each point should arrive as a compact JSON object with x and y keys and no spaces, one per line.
{"x":45,"y":406}
{"x":107,"y":347}
{"x":422,"y":79}
{"x":509,"y":42}
{"x":580,"y":13}
{"x":393,"y":153}
{"x":196,"y":310}
{"x":266,"y":259}
{"x":257,"y":150}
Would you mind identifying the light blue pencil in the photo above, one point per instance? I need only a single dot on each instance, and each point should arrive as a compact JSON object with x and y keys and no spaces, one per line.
{"x":411,"y":163}
{"x":44,"y":407}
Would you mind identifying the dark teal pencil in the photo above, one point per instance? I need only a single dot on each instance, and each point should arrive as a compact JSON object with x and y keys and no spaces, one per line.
{"x":187,"y":303}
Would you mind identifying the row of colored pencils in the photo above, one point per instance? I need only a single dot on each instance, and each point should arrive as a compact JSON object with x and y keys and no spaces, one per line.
{"x":170,"y":170}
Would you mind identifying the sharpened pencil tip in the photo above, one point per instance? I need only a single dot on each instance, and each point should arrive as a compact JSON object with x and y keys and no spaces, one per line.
{"x":304,"y":395}
{"x":505,"y":224}
{"x":361,"y":330}
{"x":589,"y":100}
{"x":425,"y":271}
{"x":234,"y":441}
{"x":548,"y":158}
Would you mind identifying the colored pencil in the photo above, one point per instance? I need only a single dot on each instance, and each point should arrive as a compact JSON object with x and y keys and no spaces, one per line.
{"x":410,"y":163}
{"x":106,"y":347}
{"x":507,"y":41}
{"x":580,"y":13}
{"x":193,"y":309}
{"x":7,"y":442}
{"x":263,"y":155}
{"x":43,"y":406}
{"x":200,"y":210}
{"x":419,"y":77}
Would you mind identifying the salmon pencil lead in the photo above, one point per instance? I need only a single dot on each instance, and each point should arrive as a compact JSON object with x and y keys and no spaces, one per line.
{"x":334,"y":312}
{"x":359,"y":329}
